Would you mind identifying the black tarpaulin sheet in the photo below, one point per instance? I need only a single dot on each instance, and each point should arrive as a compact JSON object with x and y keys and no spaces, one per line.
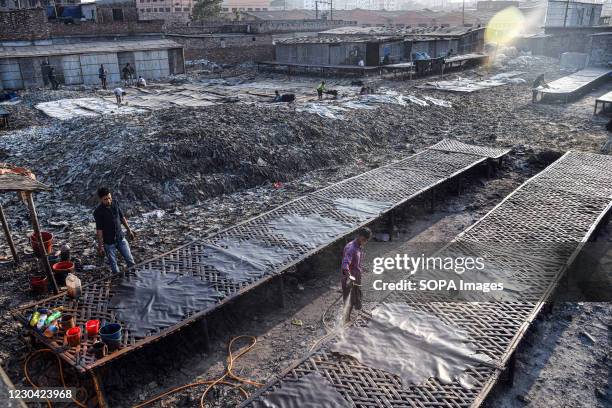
{"x":360,"y":208}
{"x":413,"y":345}
{"x":243,"y":261}
{"x":150,"y":300}
{"x":311,"y":391}
{"x":311,"y":230}
{"x":256,"y":252}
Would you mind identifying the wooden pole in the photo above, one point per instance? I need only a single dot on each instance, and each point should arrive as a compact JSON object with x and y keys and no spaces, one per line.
{"x":9,"y":238}
{"x":43,"y":258}
{"x":99,"y":388}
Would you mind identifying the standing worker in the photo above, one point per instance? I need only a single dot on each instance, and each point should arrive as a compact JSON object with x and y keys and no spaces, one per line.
{"x":321,"y":89}
{"x":539,"y":82}
{"x":102,"y":75}
{"x":52,"y":79}
{"x":352,"y":257}
{"x":128,"y":74}
{"x":109,"y":235}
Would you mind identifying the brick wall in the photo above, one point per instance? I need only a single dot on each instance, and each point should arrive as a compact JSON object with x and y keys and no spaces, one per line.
{"x":104,"y":12}
{"x":59,"y":29}
{"x":228,"y":49}
{"x":601,"y":49}
{"x":25,"y":24}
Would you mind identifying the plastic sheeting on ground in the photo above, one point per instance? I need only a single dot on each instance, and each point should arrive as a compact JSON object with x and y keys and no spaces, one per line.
{"x":413,"y":345}
{"x":470,"y":85}
{"x":70,"y":108}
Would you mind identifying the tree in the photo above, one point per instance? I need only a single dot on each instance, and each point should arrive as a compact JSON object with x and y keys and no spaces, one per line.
{"x":206,"y":9}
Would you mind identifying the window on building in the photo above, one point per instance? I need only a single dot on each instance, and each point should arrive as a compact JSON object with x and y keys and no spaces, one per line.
{"x":117,"y":14}
{"x":225,"y":9}
{"x":142,"y":1}
{"x":185,"y":8}
{"x":167,"y":9}
{"x":250,"y":9}
{"x":155,"y":9}
{"x":148,"y":10}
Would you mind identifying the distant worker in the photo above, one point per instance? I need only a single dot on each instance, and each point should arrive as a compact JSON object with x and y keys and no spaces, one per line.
{"x":128,"y":74}
{"x":141,"y":83}
{"x":102,"y":75}
{"x":321,"y":89}
{"x":386,"y":60}
{"x":361,"y":63}
{"x":119,"y":94}
{"x":277,"y":97}
{"x":352,"y":258}
{"x":288,"y":98}
{"x":109,"y":235}
{"x":364,"y":90}
{"x":52,"y":79}
{"x":537,"y":84}
{"x":449,"y":53}
{"x":44,"y":70}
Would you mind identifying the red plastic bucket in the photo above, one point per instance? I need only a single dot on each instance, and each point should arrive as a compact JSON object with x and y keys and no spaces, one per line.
{"x":92,"y":327}
{"x":61,"y":270}
{"x":73,"y":336}
{"x":47,"y":243}
{"x":39,"y":284}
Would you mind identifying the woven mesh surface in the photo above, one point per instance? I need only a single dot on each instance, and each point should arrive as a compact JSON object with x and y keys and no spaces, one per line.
{"x":392,"y":184}
{"x":545,"y":221}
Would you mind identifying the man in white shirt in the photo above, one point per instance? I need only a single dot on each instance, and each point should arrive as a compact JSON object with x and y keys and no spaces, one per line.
{"x":119,"y":94}
{"x":141,"y":83}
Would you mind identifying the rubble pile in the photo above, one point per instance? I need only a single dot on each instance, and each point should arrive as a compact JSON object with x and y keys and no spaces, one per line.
{"x":183,"y":156}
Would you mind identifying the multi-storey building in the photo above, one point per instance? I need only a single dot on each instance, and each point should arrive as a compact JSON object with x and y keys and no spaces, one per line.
{"x":169,"y":10}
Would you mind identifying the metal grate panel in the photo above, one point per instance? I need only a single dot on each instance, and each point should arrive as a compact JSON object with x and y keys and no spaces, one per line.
{"x":449,"y":145}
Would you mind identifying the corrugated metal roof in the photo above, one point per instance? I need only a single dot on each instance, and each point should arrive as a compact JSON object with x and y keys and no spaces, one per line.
{"x":336,"y":40}
{"x":86,"y":48}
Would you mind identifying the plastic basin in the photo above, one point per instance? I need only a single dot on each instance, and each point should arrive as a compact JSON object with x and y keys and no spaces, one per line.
{"x":61,"y":270}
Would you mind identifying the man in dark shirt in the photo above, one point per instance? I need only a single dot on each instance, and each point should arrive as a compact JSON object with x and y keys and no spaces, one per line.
{"x":109,"y":234}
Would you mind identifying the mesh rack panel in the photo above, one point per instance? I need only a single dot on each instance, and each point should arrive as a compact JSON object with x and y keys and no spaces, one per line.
{"x":546,"y":221}
{"x":388,"y":186}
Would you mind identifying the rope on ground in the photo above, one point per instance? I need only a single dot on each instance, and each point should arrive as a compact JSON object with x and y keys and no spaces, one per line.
{"x":228,"y":377}
{"x":61,"y":372}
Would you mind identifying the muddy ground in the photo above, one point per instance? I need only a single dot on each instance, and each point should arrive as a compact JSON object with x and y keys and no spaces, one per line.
{"x":73,"y":157}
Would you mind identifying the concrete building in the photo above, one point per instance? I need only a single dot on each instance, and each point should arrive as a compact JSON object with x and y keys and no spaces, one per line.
{"x":78,"y":63}
{"x":435,"y":41}
{"x":562,"y":13}
{"x":495,"y":5}
{"x":340,"y":51}
{"x":245,"y":5}
{"x":168,"y":10}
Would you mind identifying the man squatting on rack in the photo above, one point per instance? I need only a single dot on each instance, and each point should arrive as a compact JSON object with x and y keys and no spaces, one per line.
{"x":352,"y":257}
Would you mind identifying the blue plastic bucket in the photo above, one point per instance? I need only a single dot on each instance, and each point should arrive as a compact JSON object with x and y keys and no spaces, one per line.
{"x":110,"y":332}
